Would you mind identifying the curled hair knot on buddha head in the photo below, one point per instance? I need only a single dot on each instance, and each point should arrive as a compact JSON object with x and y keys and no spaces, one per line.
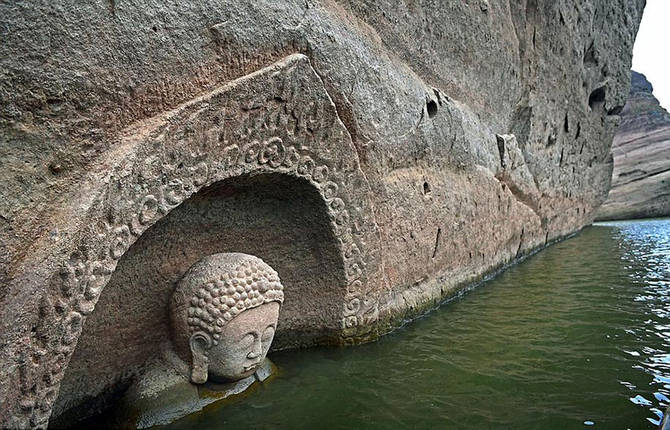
{"x":222,"y":299}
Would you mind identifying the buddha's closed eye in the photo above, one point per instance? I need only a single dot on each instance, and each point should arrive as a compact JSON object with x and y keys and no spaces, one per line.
{"x":247,"y":341}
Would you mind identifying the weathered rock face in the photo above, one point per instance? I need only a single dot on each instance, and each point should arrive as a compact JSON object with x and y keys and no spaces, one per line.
{"x":641,"y":177}
{"x":378,"y":155}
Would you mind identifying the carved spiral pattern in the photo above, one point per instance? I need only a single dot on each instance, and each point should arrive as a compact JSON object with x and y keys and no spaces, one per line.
{"x":84,"y":274}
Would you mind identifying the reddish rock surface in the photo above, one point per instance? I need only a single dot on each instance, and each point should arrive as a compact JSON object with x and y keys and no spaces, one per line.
{"x":380,"y":155}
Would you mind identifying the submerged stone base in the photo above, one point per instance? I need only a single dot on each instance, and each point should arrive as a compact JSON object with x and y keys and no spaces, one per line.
{"x":163,"y":395}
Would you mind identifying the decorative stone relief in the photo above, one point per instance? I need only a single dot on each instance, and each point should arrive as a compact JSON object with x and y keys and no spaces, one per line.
{"x":277,"y":120}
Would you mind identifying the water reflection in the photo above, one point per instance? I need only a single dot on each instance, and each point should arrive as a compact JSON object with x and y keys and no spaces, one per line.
{"x":577,"y":336}
{"x":646,"y":254}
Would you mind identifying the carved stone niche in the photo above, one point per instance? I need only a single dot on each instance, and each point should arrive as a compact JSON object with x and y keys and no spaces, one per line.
{"x":277,"y":218}
{"x":262,"y":165}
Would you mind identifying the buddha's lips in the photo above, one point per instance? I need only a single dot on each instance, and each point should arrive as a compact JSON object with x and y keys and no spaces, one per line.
{"x":248,"y":368}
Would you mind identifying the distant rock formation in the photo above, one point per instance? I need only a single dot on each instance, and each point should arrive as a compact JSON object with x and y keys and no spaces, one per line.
{"x":641,"y":178}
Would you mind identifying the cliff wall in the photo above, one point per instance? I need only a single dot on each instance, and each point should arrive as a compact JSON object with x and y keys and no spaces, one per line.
{"x":408,"y":149}
{"x":641,"y":149}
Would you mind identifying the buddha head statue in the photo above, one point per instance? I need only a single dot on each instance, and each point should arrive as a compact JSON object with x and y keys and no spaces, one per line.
{"x":224,"y":315}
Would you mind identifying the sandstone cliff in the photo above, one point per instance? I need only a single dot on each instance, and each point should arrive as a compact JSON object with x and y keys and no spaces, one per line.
{"x":379,"y":155}
{"x":641,"y":148}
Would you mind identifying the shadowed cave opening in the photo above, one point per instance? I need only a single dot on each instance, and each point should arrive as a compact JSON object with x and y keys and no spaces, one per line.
{"x":431,"y":107}
{"x":597,"y":97}
{"x":279,"y":218}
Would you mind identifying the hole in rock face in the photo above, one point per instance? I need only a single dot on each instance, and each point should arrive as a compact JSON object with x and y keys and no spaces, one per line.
{"x":154,"y":28}
{"x":426,"y":188}
{"x":431,"y":107}
{"x":281,"y":219}
{"x":551,"y":139}
{"x":597,"y":97}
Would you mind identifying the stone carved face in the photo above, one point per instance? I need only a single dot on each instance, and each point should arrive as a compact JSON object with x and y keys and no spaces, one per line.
{"x":224,"y":314}
{"x":243,"y":345}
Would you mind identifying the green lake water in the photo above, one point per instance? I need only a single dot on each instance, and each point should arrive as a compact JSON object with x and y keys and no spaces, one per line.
{"x":576,"y":336}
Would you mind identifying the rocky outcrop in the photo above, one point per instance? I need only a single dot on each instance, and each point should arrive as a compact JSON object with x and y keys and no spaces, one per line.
{"x":380,"y":156}
{"x":641,"y":148}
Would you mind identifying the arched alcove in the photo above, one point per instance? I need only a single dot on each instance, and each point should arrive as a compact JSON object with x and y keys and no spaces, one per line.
{"x":279,"y":218}
{"x":129,"y":228}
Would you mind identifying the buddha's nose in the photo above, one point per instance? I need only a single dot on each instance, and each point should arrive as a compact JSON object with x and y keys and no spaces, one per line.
{"x":255,"y":350}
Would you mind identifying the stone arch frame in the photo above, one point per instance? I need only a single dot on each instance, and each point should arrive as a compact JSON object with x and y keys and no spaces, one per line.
{"x":279,"y":119}
{"x":277,"y":217}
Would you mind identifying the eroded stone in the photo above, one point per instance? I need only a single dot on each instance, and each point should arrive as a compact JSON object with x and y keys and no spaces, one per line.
{"x":351,"y":145}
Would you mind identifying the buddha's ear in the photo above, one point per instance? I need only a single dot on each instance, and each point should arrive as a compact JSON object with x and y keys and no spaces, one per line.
{"x":200,"y":343}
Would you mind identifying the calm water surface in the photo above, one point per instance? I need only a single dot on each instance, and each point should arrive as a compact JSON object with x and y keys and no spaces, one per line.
{"x":577,"y":336}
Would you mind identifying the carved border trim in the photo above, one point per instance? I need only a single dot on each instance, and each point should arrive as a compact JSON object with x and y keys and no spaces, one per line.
{"x":118,"y":219}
